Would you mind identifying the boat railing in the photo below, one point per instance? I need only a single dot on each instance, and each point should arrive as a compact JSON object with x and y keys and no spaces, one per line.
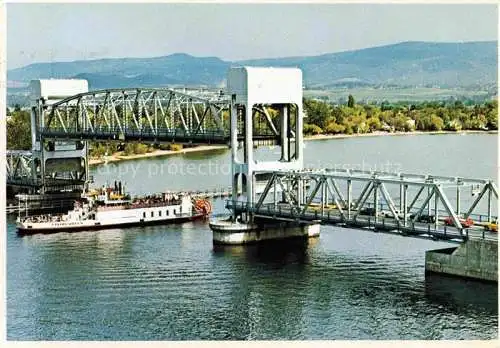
{"x":43,"y":218}
{"x":154,"y":204}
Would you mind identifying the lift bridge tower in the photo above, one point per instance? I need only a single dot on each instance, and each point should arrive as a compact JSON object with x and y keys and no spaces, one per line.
{"x":252,"y":88}
{"x":57,"y":165}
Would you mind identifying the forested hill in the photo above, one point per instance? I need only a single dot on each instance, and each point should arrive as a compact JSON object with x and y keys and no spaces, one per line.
{"x":447,"y":65}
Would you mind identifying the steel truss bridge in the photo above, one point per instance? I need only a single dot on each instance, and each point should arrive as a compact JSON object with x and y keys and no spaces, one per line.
{"x":193,"y":116}
{"x":21,"y":172}
{"x":405,"y":204}
{"x":19,"y":166}
{"x":149,"y":115}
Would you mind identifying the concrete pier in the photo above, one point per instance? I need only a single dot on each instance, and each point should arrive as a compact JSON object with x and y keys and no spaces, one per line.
{"x":235,"y":233}
{"x":476,"y":259}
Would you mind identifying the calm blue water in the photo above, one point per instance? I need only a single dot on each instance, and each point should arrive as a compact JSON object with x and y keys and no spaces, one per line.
{"x":170,"y":283}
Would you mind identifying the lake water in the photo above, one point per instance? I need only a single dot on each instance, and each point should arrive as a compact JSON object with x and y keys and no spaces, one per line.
{"x":170,"y":283}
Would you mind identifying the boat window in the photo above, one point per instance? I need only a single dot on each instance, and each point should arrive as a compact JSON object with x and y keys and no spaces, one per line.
{"x":166,"y":212}
{"x":174,"y":211}
{"x":159,"y":212}
{"x":152,"y":213}
{"x":144,"y":214}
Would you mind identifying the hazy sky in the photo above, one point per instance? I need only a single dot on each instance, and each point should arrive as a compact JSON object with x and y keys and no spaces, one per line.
{"x":63,"y":32}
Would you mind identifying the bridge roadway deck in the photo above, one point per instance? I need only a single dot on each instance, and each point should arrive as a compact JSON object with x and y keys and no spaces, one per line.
{"x":37,"y":182}
{"x":283,"y":212}
{"x":161,"y":135}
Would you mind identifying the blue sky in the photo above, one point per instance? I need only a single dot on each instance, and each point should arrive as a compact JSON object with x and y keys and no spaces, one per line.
{"x":65,"y":32}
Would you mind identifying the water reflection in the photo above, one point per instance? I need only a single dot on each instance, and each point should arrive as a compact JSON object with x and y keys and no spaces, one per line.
{"x":170,"y":283}
{"x":458,"y":294}
{"x":267,"y":296}
{"x":271,"y":253}
{"x":203,"y":155}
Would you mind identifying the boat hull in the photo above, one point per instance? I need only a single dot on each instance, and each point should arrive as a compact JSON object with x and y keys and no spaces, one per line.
{"x":22,"y":231}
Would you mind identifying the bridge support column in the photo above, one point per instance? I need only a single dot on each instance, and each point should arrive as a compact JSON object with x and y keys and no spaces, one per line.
{"x":475,"y":258}
{"x":436,"y":211}
{"x":349,"y":194}
{"x":253,"y":89}
{"x":429,"y":192}
{"x":401,"y":197}
{"x":489,"y":202}
{"x":405,"y":205}
{"x":230,"y":233}
{"x":58,"y":163}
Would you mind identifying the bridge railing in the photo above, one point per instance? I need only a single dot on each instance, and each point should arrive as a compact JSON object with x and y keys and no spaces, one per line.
{"x":118,"y":133}
{"x":387,"y":225}
{"x":161,"y":114}
{"x":160,"y":134}
{"x":476,"y":217}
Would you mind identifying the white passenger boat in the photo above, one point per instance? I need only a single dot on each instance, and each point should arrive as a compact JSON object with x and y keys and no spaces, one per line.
{"x":110,"y":208}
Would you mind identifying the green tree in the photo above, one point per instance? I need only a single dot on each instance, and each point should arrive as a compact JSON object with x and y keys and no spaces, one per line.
{"x":399,"y":122}
{"x":423,"y":122}
{"x":453,"y":125}
{"x":350,"y":101}
{"x":458,"y":105}
{"x":478,"y":122}
{"x":348,"y":128}
{"x":317,"y":112}
{"x":175,"y":147}
{"x":374,"y":124}
{"x":359,"y":125}
{"x":369,"y":110}
{"x":492,"y":115}
{"x":312,"y":129}
{"x":129,"y":149}
{"x":19,"y":130}
{"x":401,"y":116}
{"x":436,"y":123}
{"x":338,"y":115}
{"x":334,"y":128}
{"x":385,"y":106}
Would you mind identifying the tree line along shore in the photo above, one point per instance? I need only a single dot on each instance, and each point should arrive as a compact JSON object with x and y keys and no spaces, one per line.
{"x":352,"y":118}
{"x":322,"y":120}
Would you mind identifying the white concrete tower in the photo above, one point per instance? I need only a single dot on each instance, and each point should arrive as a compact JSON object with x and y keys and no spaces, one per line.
{"x":59,"y":159}
{"x":280,"y":88}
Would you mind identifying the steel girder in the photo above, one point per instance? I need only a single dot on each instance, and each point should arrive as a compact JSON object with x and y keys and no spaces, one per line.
{"x":149,"y":114}
{"x":349,"y":193}
{"x":19,"y":165}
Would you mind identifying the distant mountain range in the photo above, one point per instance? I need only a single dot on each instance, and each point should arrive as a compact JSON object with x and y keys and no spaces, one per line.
{"x":446,"y":65}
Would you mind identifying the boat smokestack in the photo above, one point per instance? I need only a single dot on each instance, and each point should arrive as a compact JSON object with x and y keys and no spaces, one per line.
{"x":120,"y":188}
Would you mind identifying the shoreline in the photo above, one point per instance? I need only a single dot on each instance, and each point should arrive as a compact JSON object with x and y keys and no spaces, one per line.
{"x":118,"y":157}
{"x":381,"y":133}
